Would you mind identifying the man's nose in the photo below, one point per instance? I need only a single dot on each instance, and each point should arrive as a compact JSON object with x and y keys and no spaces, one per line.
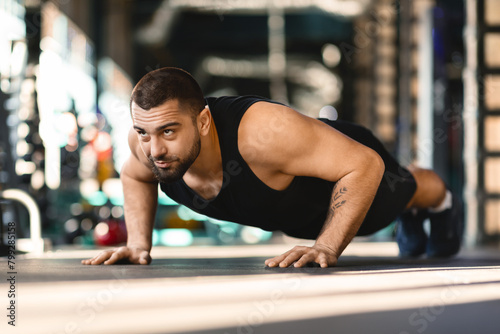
{"x":157,"y":148}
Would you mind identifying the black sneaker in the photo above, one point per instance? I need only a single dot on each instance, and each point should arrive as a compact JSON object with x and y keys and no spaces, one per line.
{"x":410,"y":234}
{"x":446,"y":231}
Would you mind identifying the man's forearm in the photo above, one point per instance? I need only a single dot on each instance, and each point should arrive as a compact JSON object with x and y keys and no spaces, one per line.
{"x":141,"y":200}
{"x":352,"y":197}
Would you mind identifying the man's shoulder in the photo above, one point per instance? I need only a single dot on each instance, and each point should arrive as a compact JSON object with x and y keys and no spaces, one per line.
{"x":237,"y":98}
{"x":233,"y":103}
{"x":264,"y":130}
{"x":268,"y":117}
{"x":228,"y":111}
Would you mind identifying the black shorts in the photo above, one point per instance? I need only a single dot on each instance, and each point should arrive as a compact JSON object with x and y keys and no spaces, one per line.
{"x":396,"y":188}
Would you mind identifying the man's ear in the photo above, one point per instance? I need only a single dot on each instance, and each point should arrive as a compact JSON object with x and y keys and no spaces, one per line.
{"x":204,"y":121}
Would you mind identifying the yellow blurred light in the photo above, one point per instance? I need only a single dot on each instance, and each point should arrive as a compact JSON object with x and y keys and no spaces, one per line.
{"x":112,"y":187}
{"x":331,"y":55}
{"x":37,"y":180}
{"x":101,"y":229}
{"x":25,"y":167}
{"x":23,"y":130}
{"x":22,"y":148}
{"x":103,"y":142}
{"x":88,"y":187}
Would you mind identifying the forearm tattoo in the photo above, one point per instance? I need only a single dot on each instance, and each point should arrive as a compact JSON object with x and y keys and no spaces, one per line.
{"x":337,"y":200}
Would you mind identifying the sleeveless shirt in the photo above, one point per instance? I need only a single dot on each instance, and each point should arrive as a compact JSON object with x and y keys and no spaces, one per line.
{"x":299,"y":210}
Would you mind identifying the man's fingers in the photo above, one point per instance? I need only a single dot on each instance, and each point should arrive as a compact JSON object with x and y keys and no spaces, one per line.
{"x":133,"y":255}
{"x":291,"y":258}
{"x":275,"y":261}
{"x":99,"y":258}
{"x":115,"y":257}
{"x":88,"y":261}
{"x":322,"y":260}
{"x":94,"y":260}
{"x":300,"y":256}
{"x":305,"y":259}
{"x":144,"y":258}
{"x":286,"y":259}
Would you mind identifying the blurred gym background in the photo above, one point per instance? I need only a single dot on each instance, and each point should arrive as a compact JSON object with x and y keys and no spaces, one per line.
{"x":424,"y":75}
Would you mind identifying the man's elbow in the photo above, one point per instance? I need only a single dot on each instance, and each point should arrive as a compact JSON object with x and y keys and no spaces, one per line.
{"x":375,"y":164}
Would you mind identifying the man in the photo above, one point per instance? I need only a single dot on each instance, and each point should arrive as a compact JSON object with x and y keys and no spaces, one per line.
{"x":260,"y":163}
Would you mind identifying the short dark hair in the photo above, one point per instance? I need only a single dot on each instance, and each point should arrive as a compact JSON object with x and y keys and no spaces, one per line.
{"x":165,"y":84}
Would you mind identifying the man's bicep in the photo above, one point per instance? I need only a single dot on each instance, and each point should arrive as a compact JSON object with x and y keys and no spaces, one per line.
{"x":294,"y":144}
{"x":281,"y":140}
{"x":323,"y":152}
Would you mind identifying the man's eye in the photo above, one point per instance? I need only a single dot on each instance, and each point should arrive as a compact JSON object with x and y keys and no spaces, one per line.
{"x":168,"y":132}
{"x":142,"y":134}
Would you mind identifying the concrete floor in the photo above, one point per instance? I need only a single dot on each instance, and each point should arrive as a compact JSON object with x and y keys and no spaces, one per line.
{"x":229,"y":290}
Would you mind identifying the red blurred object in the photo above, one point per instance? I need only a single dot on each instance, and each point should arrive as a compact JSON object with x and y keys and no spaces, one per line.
{"x":110,"y":232}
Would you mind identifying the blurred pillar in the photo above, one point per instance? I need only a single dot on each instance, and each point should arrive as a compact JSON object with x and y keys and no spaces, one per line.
{"x":7,"y":173}
{"x":425,"y":116}
{"x":487,"y":116}
{"x":78,"y":11}
{"x":405,"y":69}
{"x":363,"y":58}
{"x":375,"y":62}
{"x":117,"y":41}
{"x":383,"y":27}
{"x":471,"y":125}
{"x":13,"y":60}
{"x":277,"y":53}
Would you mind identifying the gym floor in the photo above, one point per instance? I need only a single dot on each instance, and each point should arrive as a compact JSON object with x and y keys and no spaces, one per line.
{"x":227,"y":289}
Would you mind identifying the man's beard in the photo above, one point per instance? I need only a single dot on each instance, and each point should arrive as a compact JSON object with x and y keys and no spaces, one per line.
{"x":172,"y":173}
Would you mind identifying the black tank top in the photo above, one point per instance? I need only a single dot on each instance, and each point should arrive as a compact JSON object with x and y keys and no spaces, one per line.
{"x":299,"y":210}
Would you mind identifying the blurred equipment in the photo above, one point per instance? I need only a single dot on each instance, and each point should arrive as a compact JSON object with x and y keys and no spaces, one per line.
{"x":35,"y":244}
{"x":110,"y":232}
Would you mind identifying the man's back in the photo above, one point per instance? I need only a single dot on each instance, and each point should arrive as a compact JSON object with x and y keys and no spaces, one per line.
{"x":299,"y":210}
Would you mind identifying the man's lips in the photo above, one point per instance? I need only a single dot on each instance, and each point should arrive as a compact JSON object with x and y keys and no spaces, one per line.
{"x":162,"y":164}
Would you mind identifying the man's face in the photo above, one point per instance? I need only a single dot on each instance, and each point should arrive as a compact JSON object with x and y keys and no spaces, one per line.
{"x":169,"y":139}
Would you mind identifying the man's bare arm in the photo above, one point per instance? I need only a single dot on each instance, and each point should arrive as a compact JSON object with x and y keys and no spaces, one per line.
{"x":349,"y":204}
{"x":351,"y":199}
{"x":302,"y":146}
{"x":140,"y":191}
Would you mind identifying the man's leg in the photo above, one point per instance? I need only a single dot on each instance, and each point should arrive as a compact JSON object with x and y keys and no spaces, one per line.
{"x":421,"y":191}
{"x":430,"y":200}
{"x":431,"y":190}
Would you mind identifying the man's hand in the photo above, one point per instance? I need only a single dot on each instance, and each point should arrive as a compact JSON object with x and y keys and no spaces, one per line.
{"x":303,"y":255}
{"x":132,"y":255}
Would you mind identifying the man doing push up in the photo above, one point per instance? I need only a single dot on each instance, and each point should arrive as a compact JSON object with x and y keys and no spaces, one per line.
{"x":256,"y":162}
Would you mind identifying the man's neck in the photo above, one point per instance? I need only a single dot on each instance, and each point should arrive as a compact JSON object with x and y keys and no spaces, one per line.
{"x":208,"y":165}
